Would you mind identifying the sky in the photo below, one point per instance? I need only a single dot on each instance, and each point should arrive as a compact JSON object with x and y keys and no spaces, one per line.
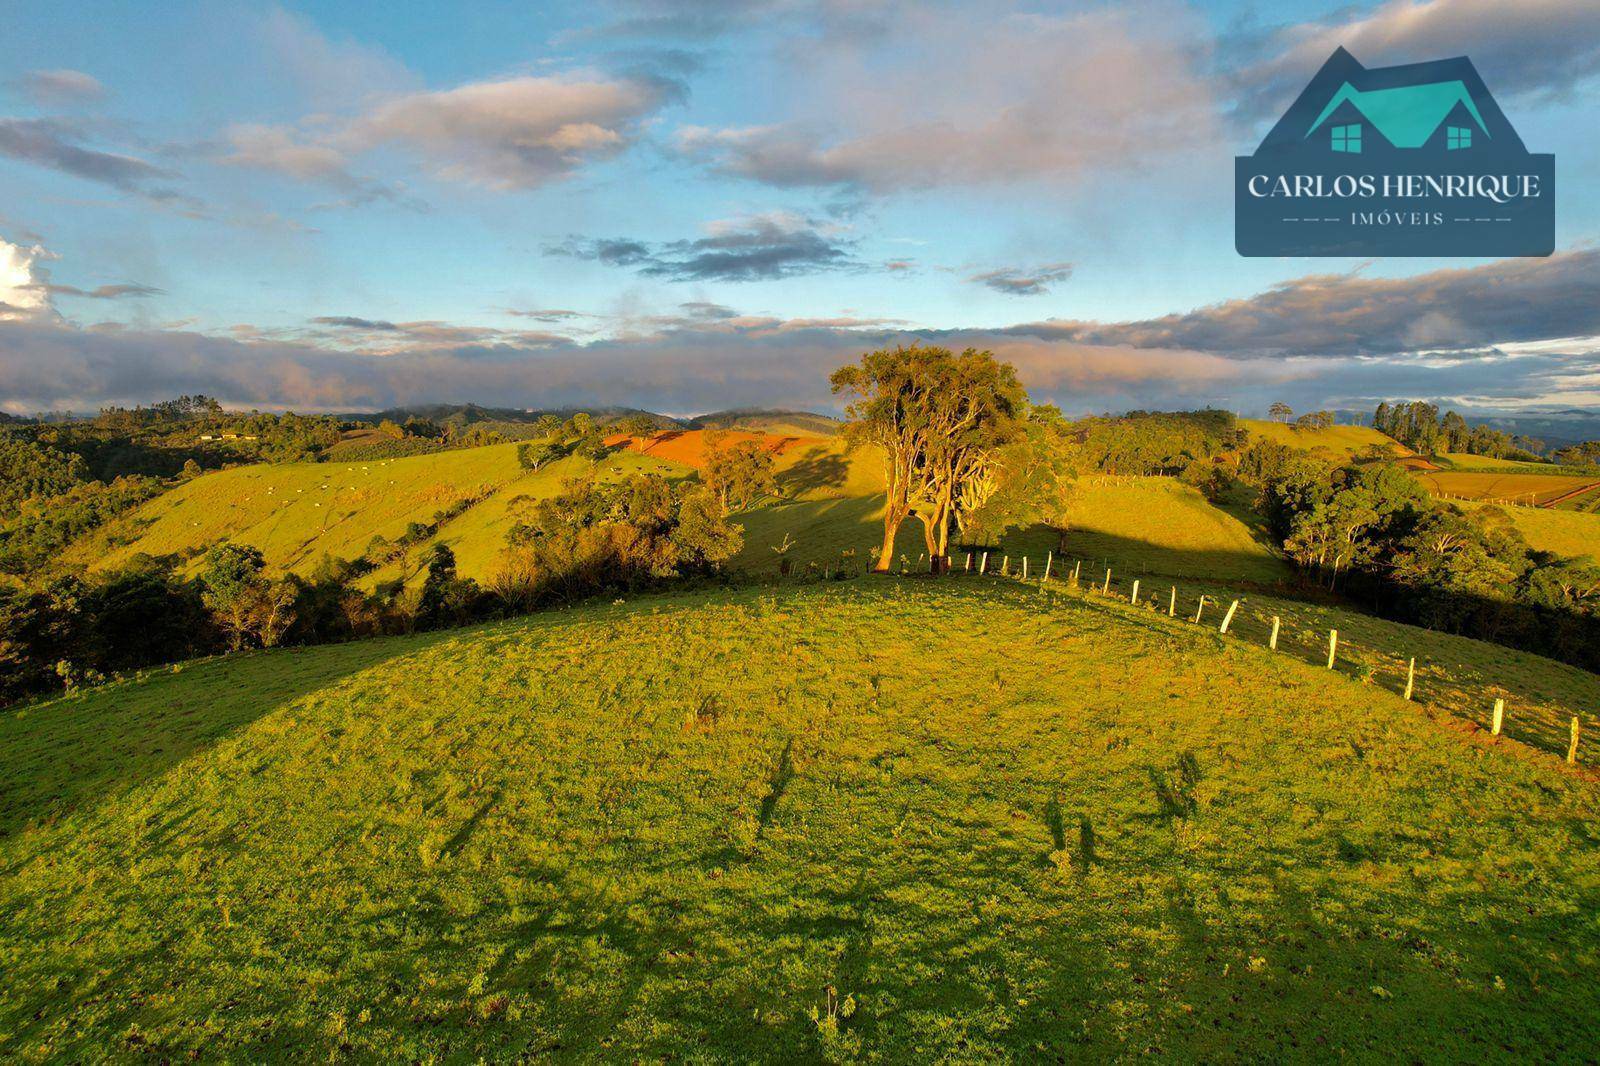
{"x":690,"y":205}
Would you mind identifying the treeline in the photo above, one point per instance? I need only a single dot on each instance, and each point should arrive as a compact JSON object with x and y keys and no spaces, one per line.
{"x":1375,"y":533}
{"x":1156,"y":442}
{"x":77,"y":630}
{"x":1417,"y":425}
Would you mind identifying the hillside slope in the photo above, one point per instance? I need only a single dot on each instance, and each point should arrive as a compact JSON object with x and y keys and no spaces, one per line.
{"x":756,"y":827}
{"x":1569,"y":533}
{"x":1341,"y":440}
{"x":297,"y":512}
{"x":1157,"y":525}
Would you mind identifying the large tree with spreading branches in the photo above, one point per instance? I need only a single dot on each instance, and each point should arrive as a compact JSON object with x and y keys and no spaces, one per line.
{"x":941,"y":420}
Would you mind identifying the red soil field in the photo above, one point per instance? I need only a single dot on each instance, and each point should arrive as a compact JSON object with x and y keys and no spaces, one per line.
{"x":688,"y":446}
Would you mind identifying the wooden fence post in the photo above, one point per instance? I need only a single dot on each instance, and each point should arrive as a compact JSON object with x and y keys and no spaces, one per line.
{"x":1572,"y":749}
{"x":1107,"y":590}
{"x":983,"y":564}
{"x":969,"y":563}
{"x":1076,"y":567}
{"x":1411,"y":675}
{"x":1005,"y":565}
{"x":1198,"y":610}
{"x":1024,"y":568}
{"x":1499,"y":716}
{"x":1049,"y":557}
{"x":1272,"y":641}
{"x":1172,"y":603}
{"x":1133,"y":597}
{"x":1333,"y":646}
{"x":1228,"y":618}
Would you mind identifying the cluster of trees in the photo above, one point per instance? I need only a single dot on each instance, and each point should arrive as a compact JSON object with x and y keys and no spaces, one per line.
{"x":594,"y":537}
{"x":48,"y":499}
{"x":1375,"y":532}
{"x":1282,"y":412}
{"x":579,"y":435}
{"x":1585,"y":455}
{"x":1417,"y":425}
{"x":1157,"y":442}
{"x":739,"y":474}
{"x":943,"y":421}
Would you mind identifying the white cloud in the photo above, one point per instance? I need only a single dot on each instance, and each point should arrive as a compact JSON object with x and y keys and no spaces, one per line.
{"x":516,"y":133}
{"x":23,"y":294}
{"x":276,"y":148}
{"x":977,"y":97}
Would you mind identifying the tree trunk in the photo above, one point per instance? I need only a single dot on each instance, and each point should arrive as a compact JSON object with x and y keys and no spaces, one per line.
{"x":891,"y":526}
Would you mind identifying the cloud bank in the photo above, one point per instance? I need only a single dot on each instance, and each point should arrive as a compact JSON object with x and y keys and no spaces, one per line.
{"x":1496,"y":334}
{"x":761,"y":247}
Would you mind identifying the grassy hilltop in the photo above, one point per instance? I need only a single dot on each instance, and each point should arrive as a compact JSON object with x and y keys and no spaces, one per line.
{"x":900,"y":819}
{"x":1342,"y":440}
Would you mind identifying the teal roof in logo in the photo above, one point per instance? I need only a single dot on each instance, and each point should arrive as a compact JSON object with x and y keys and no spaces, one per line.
{"x":1407,"y":115}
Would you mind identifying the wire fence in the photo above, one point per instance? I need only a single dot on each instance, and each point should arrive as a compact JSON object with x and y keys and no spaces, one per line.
{"x":1213,"y":606}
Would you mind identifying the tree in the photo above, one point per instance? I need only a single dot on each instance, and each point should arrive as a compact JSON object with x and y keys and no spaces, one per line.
{"x":1315,"y":420}
{"x":740,"y":474}
{"x":703,"y":538}
{"x":246,"y":604}
{"x":446,"y":598}
{"x":638,"y":425}
{"x":1281,"y":411}
{"x":535,"y":455}
{"x":939,"y":418}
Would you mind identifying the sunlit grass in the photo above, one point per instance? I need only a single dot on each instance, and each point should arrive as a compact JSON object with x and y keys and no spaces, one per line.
{"x":1341,"y":440}
{"x":997,"y":822}
{"x":297,"y":512}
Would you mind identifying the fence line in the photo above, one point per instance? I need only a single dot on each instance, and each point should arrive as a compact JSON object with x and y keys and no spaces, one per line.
{"x":1498,"y":712}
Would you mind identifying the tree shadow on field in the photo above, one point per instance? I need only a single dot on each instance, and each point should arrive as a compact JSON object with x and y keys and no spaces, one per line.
{"x":59,"y":755}
{"x":817,"y":471}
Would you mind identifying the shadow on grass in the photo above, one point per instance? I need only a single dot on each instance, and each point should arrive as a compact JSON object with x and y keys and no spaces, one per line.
{"x":817,"y":472}
{"x":59,"y":755}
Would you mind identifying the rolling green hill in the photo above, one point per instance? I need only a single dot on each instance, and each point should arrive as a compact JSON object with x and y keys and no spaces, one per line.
{"x":1342,"y":440}
{"x":898,"y":819}
{"x":297,"y":512}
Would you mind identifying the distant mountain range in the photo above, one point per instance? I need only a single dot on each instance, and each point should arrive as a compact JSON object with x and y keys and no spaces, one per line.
{"x":1556,"y":428}
{"x":788,"y":423}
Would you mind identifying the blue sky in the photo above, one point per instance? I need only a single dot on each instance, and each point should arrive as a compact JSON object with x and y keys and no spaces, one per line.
{"x":695,"y":205}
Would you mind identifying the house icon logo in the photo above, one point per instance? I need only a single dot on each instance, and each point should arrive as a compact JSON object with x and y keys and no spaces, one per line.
{"x":1414,"y":160}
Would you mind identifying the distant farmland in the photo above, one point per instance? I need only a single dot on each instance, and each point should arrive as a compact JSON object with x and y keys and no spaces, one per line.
{"x":1535,"y":490}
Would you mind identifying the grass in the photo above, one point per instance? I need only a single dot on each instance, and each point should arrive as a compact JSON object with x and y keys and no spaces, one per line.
{"x":297,"y":512}
{"x":1564,"y":532}
{"x":1160,"y":526}
{"x":1465,"y":461}
{"x":898,"y":819}
{"x":1156,"y":524}
{"x":1341,"y":440}
{"x":1541,"y":490}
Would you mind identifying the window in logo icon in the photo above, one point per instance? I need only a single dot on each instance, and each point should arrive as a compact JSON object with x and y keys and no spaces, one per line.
{"x":1458,"y":137}
{"x":1348,"y":138}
